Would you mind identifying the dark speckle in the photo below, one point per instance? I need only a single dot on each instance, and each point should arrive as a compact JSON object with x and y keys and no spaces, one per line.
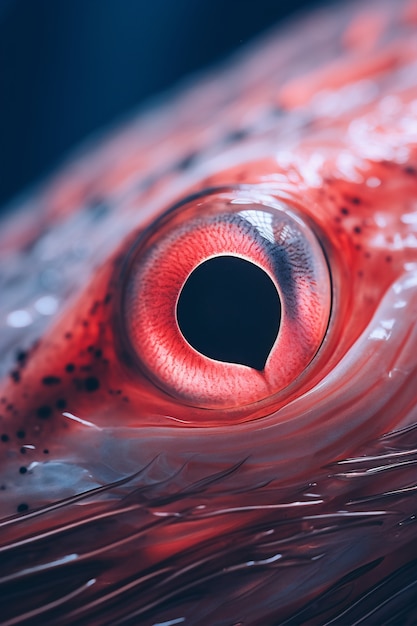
{"x":51,"y":380}
{"x":21,"y":356}
{"x":22,"y":507}
{"x":70,"y":367}
{"x":68,"y":335}
{"x":357,"y":230}
{"x":388,"y":258}
{"x":412,"y":171}
{"x":186,"y":162}
{"x":4,"y":438}
{"x":355,"y":200}
{"x":107,"y":298}
{"x":98,"y":353}
{"x":95,"y":307}
{"x":22,"y":450}
{"x":43,"y":412}
{"x":344,"y":211}
{"x":20,"y":434}
{"x":91,"y":383}
{"x":22,"y":470}
{"x":61,"y":403}
{"x":46,"y":451}
{"x":237,"y":135}
{"x":15,"y":375}
{"x":86,"y":323}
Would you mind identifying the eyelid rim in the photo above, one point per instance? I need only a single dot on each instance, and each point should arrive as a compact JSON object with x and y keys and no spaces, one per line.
{"x":297,"y":210}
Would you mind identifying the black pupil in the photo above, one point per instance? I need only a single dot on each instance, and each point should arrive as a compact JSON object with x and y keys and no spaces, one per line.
{"x":229,"y":310}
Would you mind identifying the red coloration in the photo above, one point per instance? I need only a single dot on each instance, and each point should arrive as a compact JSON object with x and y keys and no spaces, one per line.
{"x":240,"y":223}
{"x":133,"y":501}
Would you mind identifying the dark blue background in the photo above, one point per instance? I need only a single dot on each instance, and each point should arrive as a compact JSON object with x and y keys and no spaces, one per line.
{"x":68,"y":67}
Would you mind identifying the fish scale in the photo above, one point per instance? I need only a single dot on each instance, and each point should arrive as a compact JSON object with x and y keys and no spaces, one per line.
{"x":120,"y":505}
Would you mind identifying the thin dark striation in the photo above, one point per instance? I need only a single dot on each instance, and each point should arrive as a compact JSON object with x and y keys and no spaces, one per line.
{"x":125,"y":502}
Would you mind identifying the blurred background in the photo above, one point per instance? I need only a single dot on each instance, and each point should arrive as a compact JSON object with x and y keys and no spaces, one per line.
{"x":70,"y":67}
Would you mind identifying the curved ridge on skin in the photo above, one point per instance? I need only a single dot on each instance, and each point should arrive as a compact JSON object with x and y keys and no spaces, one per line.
{"x":307,"y":513}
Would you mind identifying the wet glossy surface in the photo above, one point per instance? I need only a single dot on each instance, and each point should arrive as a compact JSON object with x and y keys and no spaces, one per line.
{"x":135,"y":506}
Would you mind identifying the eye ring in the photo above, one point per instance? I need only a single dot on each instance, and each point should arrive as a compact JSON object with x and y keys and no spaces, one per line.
{"x":229,"y":391}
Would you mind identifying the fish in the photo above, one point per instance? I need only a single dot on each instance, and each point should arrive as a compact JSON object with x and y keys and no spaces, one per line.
{"x":144,"y":481}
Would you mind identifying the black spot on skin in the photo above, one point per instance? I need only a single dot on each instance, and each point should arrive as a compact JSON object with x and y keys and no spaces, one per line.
{"x":98,"y":353}
{"x":68,"y":335}
{"x":61,"y":403}
{"x":355,"y":200}
{"x":91,"y":383}
{"x":43,"y":412}
{"x":90,"y":349}
{"x":344,"y":210}
{"x":410,"y":170}
{"x":107,"y":298}
{"x":22,"y":507}
{"x":357,"y":230}
{"x":4,"y":438}
{"x":51,"y":380}
{"x":237,"y":135}
{"x":22,"y":470}
{"x":186,"y":162}
{"x":95,"y":307}
{"x":46,"y":451}
{"x":15,"y":376}
{"x":20,"y":434}
{"x":70,"y":367}
{"x":21,"y":356}
{"x":388,"y":258}
{"x":22,"y":450}
{"x":86,"y":323}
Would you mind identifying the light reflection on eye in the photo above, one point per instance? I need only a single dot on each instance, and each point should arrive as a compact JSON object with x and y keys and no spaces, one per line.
{"x":225,"y":299}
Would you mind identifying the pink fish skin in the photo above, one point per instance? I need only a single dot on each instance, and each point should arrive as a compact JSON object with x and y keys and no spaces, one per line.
{"x":122,"y":503}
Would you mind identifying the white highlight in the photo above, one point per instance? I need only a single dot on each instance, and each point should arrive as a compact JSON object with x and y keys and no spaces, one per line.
{"x":380,"y":333}
{"x":171,"y":622}
{"x":409,"y":218}
{"x":261,"y":221}
{"x":80,"y":421}
{"x":272,"y":559}
{"x":47,"y":305}
{"x":19,"y":319}
{"x":373,"y":181}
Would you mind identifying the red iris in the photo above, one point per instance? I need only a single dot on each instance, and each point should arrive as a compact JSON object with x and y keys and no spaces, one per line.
{"x":226,"y":299}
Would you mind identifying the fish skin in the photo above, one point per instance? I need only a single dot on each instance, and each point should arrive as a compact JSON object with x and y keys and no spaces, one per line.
{"x":300,"y":512}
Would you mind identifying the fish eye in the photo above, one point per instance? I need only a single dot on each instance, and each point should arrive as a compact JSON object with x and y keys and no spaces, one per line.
{"x":225,"y":299}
